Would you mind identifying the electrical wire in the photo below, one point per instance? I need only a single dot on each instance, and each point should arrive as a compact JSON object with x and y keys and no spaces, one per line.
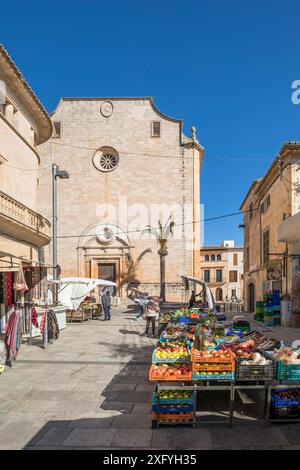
{"x":26,"y":169}
{"x":176,"y":225}
{"x":225,"y":159}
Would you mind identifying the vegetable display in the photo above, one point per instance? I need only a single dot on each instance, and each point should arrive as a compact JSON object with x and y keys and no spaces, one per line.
{"x":287,"y":356}
{"x":171,"y":351}
{"x":170,"y":372}
{"x":198,"y":348}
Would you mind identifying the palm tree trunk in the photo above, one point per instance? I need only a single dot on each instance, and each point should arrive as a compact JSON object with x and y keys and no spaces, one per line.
{"x":162,"y":277}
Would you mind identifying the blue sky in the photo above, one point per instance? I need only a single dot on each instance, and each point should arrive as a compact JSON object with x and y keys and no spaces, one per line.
{"x":225,"y":67}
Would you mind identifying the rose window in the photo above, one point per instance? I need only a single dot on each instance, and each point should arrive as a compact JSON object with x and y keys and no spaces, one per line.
{"x":108,"y":161}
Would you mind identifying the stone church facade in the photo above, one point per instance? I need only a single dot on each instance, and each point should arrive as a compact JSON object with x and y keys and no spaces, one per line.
{"x":130,"y":166}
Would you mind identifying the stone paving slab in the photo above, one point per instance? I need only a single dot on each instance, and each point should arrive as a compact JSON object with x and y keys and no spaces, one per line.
{"x":132,"y":421}
{"x":292,"y":433}
{"x":268,"y":436}
{"x":100,"y":422}
{"x":132,"y":440}
{"x":229,"y":437}
{"x":89,"y":437}
{"x":181,"y":437}
{"x":53,"y":436}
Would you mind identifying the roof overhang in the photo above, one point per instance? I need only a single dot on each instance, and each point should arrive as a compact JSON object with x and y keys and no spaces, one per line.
{"x":21,"y":89}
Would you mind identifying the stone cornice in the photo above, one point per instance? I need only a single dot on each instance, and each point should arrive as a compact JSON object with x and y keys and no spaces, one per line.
{"x":20,"y":136}
{"x":26,"y":94}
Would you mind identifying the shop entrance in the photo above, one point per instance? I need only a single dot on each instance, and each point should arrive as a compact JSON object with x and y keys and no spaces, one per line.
{"x":251,"y":297}
{"x":108,"y":272}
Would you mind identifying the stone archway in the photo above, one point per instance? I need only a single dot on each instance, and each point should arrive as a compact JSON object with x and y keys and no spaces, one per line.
{"x":102,"y":252}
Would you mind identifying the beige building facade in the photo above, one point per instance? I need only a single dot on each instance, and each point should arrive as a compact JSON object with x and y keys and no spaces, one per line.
{"x":130,"y":166}
{"x":24,"y":124}
{"x":271,"y":231}
{"x":222,"y":269}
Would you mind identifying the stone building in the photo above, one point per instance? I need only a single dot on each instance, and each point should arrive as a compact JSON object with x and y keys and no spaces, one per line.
{"x":24,"y":124}
{"x":271,"y":231}
{"x":129,"y":165}
{"x":222,"y":269}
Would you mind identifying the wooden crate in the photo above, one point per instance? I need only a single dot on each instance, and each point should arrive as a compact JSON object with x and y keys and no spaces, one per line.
{"x":77,"y":315}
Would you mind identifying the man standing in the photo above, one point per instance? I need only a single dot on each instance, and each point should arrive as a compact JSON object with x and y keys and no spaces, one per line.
{"x":106,"y":302}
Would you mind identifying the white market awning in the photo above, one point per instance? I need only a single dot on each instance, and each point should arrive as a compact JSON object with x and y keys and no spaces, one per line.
{"x":208,"y":293}
{"x":73,"y":290}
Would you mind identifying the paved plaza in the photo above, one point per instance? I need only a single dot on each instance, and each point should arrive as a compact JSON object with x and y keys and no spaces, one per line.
{"x":90,"y":390}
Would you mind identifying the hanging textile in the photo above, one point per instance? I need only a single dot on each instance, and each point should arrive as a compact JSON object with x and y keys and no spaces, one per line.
{"x":53,"y":328}
{"x":34,"y":318}
{"x":52,"y":325}
{"x":13,"y":336}
{"x":9,"y":290}
{"x":42,"y":325}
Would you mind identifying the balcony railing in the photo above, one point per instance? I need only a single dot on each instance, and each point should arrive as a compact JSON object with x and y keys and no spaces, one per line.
{"x":21,"y":214}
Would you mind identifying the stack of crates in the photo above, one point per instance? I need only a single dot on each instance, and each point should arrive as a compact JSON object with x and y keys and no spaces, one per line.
{"x":173,"y":407}
{"x":259,"y":311}
{"x":268,"y":310}
{"x":276,"y":307}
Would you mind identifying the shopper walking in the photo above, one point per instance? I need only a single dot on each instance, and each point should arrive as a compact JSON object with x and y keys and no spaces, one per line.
{"x":142,"y":301}
{"x":151,"y":313}
{"x":106,"y":302}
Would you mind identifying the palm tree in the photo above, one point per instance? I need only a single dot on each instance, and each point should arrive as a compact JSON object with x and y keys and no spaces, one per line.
{"x":162,"y":235}
{"x":130,"y":275}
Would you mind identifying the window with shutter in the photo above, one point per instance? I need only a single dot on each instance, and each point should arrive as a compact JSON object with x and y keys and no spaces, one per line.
{"x":233,"y":276}
{"x":57,"y":129}
{"x":266,"y":246}
{"x":156,"y":129}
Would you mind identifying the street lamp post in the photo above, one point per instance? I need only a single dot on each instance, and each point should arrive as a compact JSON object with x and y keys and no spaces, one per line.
{"x":62,"y":174}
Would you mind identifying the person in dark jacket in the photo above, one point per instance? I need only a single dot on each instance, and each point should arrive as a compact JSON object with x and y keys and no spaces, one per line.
{"x":106,"y":302}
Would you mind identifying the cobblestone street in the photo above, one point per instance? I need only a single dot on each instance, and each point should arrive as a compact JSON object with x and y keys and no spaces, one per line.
{"x":90,"y":390}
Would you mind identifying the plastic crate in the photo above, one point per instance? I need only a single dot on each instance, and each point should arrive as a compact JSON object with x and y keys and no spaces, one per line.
{"x":288,"y":371}
{"x":221,"y":376}
{"x":172,"y":378}
{"x":284,"y":413}
{"x":183,"y":319}
{"x":246,"y":329}
{"x":172,"y":401}
{"x":171,"y":409}
{"x":213,"y":367}
{"x":255,"y":372}
{"x":160,"y":360}
{"x":194,"y":358}
{"x":172,"y":416}
{"x":278,"y":402}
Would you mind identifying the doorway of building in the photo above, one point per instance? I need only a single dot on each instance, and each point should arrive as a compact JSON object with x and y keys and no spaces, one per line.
{"x":251,"y":297}
{"x":108,"y":272}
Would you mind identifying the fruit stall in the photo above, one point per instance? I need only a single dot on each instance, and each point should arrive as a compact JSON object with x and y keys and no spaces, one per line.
{"x":198,"y":353}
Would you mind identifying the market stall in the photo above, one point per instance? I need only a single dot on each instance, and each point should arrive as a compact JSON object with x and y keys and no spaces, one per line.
{"x":23,"y":306}
{"x":75,"y":294}
{"x":199,"y":354}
